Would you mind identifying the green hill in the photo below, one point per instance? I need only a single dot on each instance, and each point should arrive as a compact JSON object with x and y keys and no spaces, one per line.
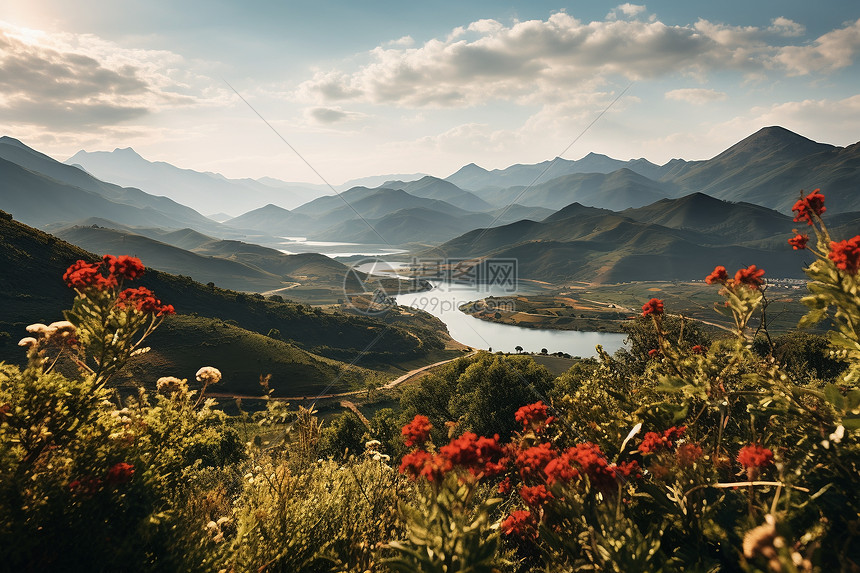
{"x":33,"y":291}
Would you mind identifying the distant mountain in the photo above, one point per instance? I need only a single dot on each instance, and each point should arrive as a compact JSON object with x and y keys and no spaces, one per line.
{"x":672,"y":239}
{"x":40,"y":190}
{"x":722,"y":220}
{"x":430,"y":187}
{"x":379,"y":180}
{"x":414,"y":225}
{"x":273,"y":220}
{"x":617,"y":190}
{"x":203,"y":191}
{"x":475,"y":178}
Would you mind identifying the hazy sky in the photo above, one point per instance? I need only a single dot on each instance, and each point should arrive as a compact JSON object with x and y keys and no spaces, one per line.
{"x":369,"y":87}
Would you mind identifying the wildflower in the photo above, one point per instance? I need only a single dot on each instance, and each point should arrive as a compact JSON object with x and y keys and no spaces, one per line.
{"x":626,"y":469}
{"x":505,"y":486}
{"x":38,"y":329}
{"x":533,"y":416}
{"x":168,"y":385}
{"x":798,"y":242}
{"x":535,"y":496}
{"x":520,"y":523}
{"x":83,"y":275}
{"x":688,"y":454}
{"x":806,"y":206}
{"x":718,"y":275}
{"x":698,"y":349}
{"x":28,"y":342}
{"x":124,"y":266}
{"x":592,"y":463}
{"x":750,"y":276}
{"x":413,"y":463}
{"x":417,"y":432}
{"x":846,"y":254}
{"x":560,"y":470}
{"x":753,"y":457}
{"x":653,"y":306}
{"x":532,"y":461}
{"x":653,"y":352}
{"x":119,"y":473}
{"x":208,"y":375}
{"x":143,"y":300}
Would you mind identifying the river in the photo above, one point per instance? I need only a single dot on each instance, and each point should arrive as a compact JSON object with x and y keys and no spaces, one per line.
{"x":445,"y":298}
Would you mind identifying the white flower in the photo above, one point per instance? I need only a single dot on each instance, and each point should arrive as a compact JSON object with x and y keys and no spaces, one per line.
{"x":837,"y":436}
{"x":38,"y":328}
{"x":208,"y":375}
{"x":28,"y":342}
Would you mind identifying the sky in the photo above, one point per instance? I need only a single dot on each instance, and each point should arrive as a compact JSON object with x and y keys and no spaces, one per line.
{"x":337,"y":90}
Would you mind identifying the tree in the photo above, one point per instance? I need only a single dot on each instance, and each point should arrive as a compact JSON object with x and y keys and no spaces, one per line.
{"x":518,"y":348}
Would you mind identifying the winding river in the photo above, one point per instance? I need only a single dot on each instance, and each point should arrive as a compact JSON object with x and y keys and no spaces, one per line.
{"x":445,"y":298}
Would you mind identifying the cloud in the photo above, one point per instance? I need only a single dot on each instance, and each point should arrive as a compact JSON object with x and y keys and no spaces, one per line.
{"x":697,"y":96}
{"x":629,"y":10}
{"x":541,"y":61}
{"x":785,"y":27}
{"x":331,"y":115}
{"x":833,"y":50}
{"x":65,"y":81}
{"x":403,"y":42}
{"x":835,"y":121}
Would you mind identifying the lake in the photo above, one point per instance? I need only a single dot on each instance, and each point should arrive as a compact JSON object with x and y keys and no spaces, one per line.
{"x":445,"y":298}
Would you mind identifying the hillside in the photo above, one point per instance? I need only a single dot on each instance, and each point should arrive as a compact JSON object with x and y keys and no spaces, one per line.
{"x":35,"y":292}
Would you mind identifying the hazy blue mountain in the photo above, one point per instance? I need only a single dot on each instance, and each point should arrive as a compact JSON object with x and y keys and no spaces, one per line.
{"x":430,"y":187}
{"x":273,"y":220}
{"x":378,"y":180}
{"x":203,"y":191}
{"x":45,"y":189}
{"x":617,"y":190}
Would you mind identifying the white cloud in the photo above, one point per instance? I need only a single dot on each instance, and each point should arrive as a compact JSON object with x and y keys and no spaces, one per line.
{"x":828,"y":121}
{"x":80,"y":82}
{"x":697,"y":96}
{"x":537,"y":60}
{"x":833,"y":50}
{"x":785,"y":27}
{"x":403,"y":42}
{"x":629,"y":10}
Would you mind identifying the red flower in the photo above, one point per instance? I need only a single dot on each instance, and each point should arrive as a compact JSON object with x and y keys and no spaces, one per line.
{"x":755,"y":456}
{"x":719,"y":275}
{"x":750,"y":276}
{"x":805,"y":206}
{"x":535,"y":496}
{"x":83,"y":275}
{"x":653,"y":306}
{"x":560,"y":469}
{"x":626,"y":469}
{"x":414,"y":462}
{"x":688,"y":454}
{"x":119,"y":473}
{"x":417,"y":432}
{"x":846,"y":254}
{"x":533,"y":416}
{"x":653,"y":352}
{"x":505,"y":486}
{"x":652,"y":441}
{"x":123,"y":266}
{"x":532,"y":461}
{"x":798,"y":242}
{"x":520,"y":523}
{"x":143,"y":299}
{"x":698,"y":349}
{"x":436,"y":467}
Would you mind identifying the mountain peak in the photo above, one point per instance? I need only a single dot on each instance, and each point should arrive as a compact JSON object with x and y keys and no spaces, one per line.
{"x":773,"y":140}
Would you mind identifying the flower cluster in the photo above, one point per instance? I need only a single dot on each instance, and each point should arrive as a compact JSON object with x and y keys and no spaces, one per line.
{"x":755,"y":456}
{"x":60,"y":334}
{"x":104,"y":275}
{"x":478,"y":455}
{"x":143,"y":300}
{"x":653,"y":441}
{"x":208,"y":375}
{"x":119,"y":473}
{"x":846,"y":254}
{"x":520,"y":523}
{"x":750,"y":277}
{"x":653,"y":306}
{"x":805,"y":207}
{"x":798,"y":241}
{"x":688,"y":454}
{"x":718,"y":275}
{"x":534,"y":417}
{"x":417,"y":432}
